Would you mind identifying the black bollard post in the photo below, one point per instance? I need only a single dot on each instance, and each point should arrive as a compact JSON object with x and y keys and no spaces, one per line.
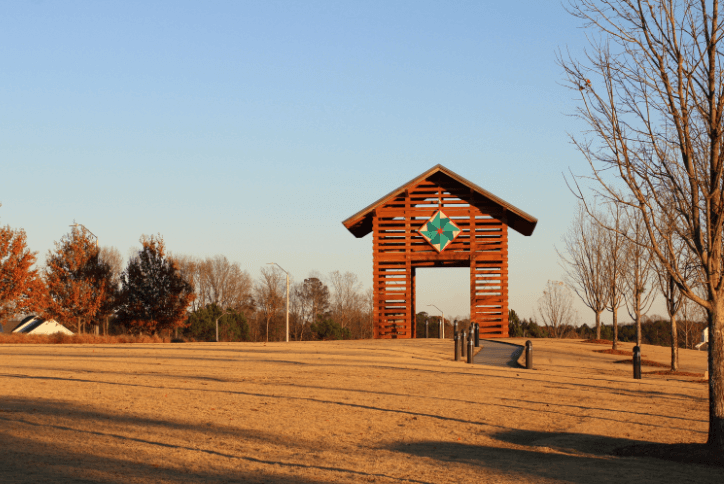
{"x":637,"y":362}
{"x":427,"y":329}
{"x":477,"y":335}
{"x":455,"y":326}
{"x":457,"y":346}
{"x":463,"y":346}
{"x":471,"y":350}
{"x":529,"y":355}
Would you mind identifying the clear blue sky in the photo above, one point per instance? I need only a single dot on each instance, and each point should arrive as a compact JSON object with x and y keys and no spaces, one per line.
{"x":252,"y":129}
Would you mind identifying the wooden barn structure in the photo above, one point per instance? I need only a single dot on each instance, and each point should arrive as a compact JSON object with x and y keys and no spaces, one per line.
{"x":439,"y":219}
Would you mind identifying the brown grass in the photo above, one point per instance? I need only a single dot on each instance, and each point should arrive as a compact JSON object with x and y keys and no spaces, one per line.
{"x":615,"y":352}
{"x":644,"y":362}
{"x":77,"y":339}
{"x":675,"y":373}
{"x":598,"y":341}
{"x":391,"y":411}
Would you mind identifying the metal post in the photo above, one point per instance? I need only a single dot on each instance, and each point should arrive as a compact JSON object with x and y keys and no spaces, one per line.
{"x":529,"y":355}
{"x":456,"y":338}
{"x":441,"y":327}
{"x":463,"y":346}
{"x":477,"y":335}
{"x":637,"y":362}
{"x":471,"y":350}
{"x":455,"y":327}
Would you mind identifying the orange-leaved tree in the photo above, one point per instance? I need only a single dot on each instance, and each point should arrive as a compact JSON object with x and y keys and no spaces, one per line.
{"x":78,"y":281}
{"x":21,"y":289}
{"x":154,"y":295}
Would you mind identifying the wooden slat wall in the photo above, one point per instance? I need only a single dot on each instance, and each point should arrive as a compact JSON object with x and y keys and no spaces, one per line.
{"x":398,"y":248}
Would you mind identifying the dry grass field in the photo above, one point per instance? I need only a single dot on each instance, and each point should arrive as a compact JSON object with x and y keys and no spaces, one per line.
{"x":350,"y":411}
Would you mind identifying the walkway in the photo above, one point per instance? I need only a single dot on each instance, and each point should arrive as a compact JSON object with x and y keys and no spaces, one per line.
{"x":495,"y":353}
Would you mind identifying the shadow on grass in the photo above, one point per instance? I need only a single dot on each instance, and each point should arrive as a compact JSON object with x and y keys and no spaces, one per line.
{"x":54,"y":441}
{"x":28,"y":461}
{"x":570,"y":457}
{"x":687,"y":453}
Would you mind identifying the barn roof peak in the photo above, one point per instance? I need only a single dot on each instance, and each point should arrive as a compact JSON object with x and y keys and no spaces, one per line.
{"x":360,"y":224}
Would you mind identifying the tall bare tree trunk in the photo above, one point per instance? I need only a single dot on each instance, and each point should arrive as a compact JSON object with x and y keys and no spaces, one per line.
{"x":638,"y":319}
{"x":615,"y":329}
{"x":598,"y":324}
{"x":674,"y":344}
{"x":716,"y":376}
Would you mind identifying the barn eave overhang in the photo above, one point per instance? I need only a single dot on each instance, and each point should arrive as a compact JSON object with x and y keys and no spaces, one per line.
{"x":360,"y":224}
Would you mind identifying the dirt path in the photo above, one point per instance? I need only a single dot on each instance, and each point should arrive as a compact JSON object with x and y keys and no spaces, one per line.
{"x":353,"y":411}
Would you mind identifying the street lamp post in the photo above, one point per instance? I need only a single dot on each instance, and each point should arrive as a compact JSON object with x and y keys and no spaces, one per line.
{"x":285,"y":272}
{"x":442,"y":322}
{"x":223,"y":312}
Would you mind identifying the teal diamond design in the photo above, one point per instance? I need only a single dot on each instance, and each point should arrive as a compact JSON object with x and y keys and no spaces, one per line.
{"x":439,"y":231}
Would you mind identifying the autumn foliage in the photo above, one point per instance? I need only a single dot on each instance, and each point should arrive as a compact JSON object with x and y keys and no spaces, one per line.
{"x":78,"y":281}
{"x":154,"y":295}
{"x":21,"y":289}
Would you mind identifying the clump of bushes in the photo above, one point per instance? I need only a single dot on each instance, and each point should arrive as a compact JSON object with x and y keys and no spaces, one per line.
{"x":89,"y":339}
{"x":326,"y":329}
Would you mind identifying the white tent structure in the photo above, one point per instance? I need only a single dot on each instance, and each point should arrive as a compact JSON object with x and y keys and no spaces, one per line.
{"x":704,"y":339}
{"x":38,"y":325}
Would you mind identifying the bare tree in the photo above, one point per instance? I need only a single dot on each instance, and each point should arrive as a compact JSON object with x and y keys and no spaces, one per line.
{"x":218,"y":281}
{"x":224,"y":283}
{"x":369,"y":309}
{"x":614,"y":251}
{"x":270,"y":292}
{"x":346,"y":297}
{"x":673,"y":297}
{"x":585,"y":263}
{"x":556,"y":309}
{"x":312,"y":299}
{"x":655,"y":109}
{"x":639,"y":276}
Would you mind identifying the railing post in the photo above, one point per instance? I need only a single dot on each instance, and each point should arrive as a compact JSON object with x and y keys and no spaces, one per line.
{"x":529,"y":355}
{"x":477,"y":335}
{"x":463,"y":346}
{"x":637,"y":362}
{"x":457,"y":346}
{"x":471,"y":350}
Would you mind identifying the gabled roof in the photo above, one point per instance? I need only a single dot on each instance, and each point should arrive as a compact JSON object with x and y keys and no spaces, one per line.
{"x":39,"y":325}
{"x":28,"y":324}
{"x":360,"y":224}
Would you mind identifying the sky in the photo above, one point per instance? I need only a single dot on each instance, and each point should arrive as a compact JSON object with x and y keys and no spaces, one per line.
{"x":253,"y":129}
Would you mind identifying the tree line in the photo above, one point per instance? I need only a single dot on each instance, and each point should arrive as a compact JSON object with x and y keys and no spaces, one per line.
{"x":654,"y":330}
{"x":87,"y":288}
